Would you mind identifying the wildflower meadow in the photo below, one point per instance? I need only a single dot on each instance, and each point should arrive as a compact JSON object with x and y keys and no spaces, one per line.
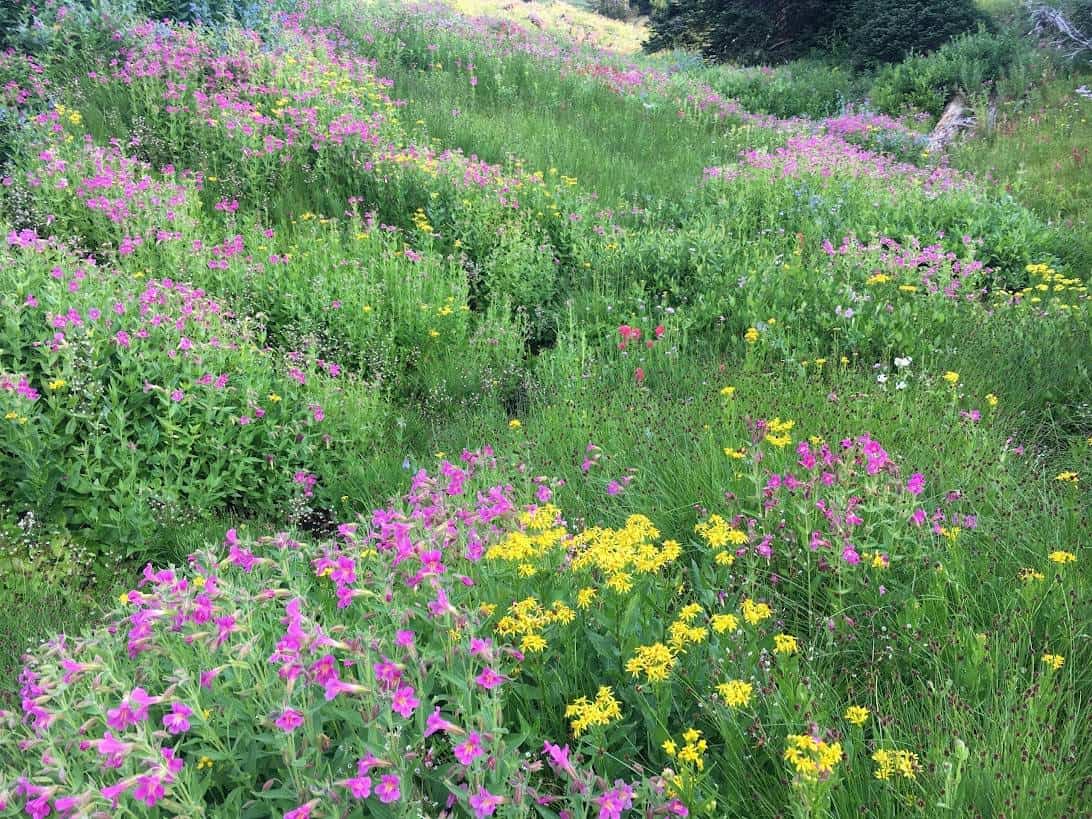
{"x":420,"y":409}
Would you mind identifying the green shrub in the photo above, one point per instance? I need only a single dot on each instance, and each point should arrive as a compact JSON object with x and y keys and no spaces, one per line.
{"x":614,"y":9}
{"x":885,"y":32}
{"x":977,"y":65}
{"x":747,"y":32}
{"x":130,"y":401}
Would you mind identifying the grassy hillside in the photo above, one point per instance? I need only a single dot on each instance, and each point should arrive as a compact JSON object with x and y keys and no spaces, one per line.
{"x":415,"y":409}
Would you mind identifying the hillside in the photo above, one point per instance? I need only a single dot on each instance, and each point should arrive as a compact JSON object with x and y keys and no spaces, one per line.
{"x":446,"y":409}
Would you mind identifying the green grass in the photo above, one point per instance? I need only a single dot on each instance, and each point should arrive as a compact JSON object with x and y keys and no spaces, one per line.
{"x":955,"y":662}
{"x":1039,"y":152}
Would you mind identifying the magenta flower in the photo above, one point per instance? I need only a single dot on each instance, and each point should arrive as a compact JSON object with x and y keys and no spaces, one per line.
{"x":469,"y":750}
{"x":387,"y":673}
{"x":489,"y":679}
{"x":615,"y":801}
{"x":559,"y":756}
{"x":113,"y":749}
{"x":388,"y":789}
{"x":177,"y":395}
{"x":359,"y":786}
{"x":289,"y":720}
{"x":404,"y":638}
{"x":480,"y":647}
{"x":404,"y":702}
{"x":112,"y":793}
{"x":149,"y":790}
{"x":484,"y":803}
{"x":133,"y":709}
{"x":177,"y":721}
{"x":436,"y":723}
{"x":916,"y":484}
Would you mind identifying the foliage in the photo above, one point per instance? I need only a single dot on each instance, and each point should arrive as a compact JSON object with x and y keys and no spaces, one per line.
{"x":980,"y":66}
{"x":886,"y":32}
{"x":771,"y":30}
{"x":615,"y":9}
{"x":772,"y":483}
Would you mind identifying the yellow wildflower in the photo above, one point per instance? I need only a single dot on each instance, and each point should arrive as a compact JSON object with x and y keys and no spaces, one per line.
{"x":785,"y":644}
{"x":584,"y":714}
{"x":654,"y":661}
{"x":754,"y":613}
{"x":1055,"y":661}
{"x":856,"y":714}
{"x":898,"y":763}
{"x":532,"y":644}
{"x":812,"y":759}
{"x":724,"y":622}
{"x":736,"y":693}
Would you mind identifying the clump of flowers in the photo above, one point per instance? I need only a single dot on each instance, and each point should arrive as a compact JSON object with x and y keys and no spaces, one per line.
{"x":891,"y":764}
{"x":812,"y":759}
{"x":585,"y":713}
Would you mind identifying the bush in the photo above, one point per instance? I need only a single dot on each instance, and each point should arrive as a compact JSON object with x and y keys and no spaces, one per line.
{"x":747,"y":32}
{"x":885,"y":32}
{"x":614,"y":9}
{"x":977,"y":65}
{"x":131,"y":401}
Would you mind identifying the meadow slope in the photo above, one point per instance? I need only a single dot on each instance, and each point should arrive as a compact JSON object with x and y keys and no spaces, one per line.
{"x":420,"y":409}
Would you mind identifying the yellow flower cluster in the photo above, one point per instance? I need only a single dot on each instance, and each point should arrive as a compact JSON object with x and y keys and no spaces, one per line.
{"x":680,"y":634}
{"x":528,"y":618}
{"x":618,"y":553}
{"x":1068,"y":476}
{"x":856,"y":714}
{"x":1055,"y":661}
{"x":539,"y":536}
{"x":583,"y":713}
{"x":693,"y":749}
{"x":655,"y":662}
{"x":717,"y":533}
{"x":754,"y":613}
{"x":1054,"y":286}
{"x":812,"y":759}
{"x":877,"y":278}
{"x":777,"y":432}
{"x":785,"y":644}
{"x":895,"y":763}
{"x":736,"y":693}
{"x":420,"y":221}
{"x":724,"y":622}
{"x":1027,"y":575}
{"x":1061,"y":557}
